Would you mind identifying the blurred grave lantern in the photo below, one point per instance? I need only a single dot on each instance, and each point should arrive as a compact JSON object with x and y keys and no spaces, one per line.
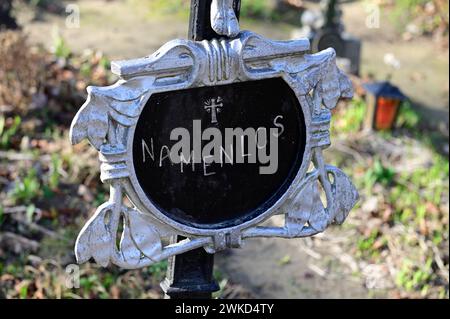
{"x":325,"y":30}
{"x":383,"y":103}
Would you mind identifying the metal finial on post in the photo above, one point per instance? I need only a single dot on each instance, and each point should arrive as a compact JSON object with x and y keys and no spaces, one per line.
{"x":211,"y":19}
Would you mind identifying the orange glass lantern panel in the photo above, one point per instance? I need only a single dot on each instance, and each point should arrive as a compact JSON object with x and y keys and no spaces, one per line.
{"x":386,"y":113}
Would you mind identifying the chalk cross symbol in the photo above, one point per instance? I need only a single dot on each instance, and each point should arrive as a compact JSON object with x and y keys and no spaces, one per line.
{"x":214,"y":106}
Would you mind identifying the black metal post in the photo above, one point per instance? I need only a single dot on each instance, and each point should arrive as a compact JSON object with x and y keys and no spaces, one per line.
{"x":190,"y":275}
{"x":6,"y":19}
{"x":331,"y":13}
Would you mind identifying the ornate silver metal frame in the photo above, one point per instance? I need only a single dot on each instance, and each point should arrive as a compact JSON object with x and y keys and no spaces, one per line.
{"x":108,"y":120}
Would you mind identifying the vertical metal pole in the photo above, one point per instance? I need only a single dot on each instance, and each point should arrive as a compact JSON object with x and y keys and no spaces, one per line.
{"x":6,"y":19}
{"x":190,"y":275}
{"x":330,"y":13}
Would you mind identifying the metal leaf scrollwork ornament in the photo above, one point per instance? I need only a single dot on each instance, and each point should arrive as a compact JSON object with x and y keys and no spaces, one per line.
{"x":139,"y":240}
{"x":110,"y":114}
{"x":308,"y":209}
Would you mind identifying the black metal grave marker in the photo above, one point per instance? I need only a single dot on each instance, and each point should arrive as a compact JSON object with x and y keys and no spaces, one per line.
{"x":208,"y":139}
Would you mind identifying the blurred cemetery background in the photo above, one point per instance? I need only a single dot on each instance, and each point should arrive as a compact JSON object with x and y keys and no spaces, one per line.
{"x":395,"y":244}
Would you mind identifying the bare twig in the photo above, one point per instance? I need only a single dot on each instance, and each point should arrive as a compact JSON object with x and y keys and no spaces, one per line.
{"x":13,"y":156}
{"x":317,"y":270}
{"x":348,"y":150}
{"x":19,"y":209}
{"x":35,"y":227}
{"x":17,"y":212}
{"x":311,"y":252}
{"x":17,"y":242}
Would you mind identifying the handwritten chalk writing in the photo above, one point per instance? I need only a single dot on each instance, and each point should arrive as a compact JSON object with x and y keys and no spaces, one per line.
{"x":146,"y":150}
{"x":234,"y":146}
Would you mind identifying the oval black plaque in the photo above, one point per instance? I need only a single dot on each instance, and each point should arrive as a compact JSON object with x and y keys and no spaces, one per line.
{"x":219,"y":195}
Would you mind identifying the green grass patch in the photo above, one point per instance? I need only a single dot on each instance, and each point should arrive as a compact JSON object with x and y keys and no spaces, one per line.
{"x":27,"y":188}
{"x":7,"y":133}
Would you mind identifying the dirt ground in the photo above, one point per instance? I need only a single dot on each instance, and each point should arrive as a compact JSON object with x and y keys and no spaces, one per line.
{"x":423,"y":72}
{"x":272,"y":268}
{"x":279,"y":268}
